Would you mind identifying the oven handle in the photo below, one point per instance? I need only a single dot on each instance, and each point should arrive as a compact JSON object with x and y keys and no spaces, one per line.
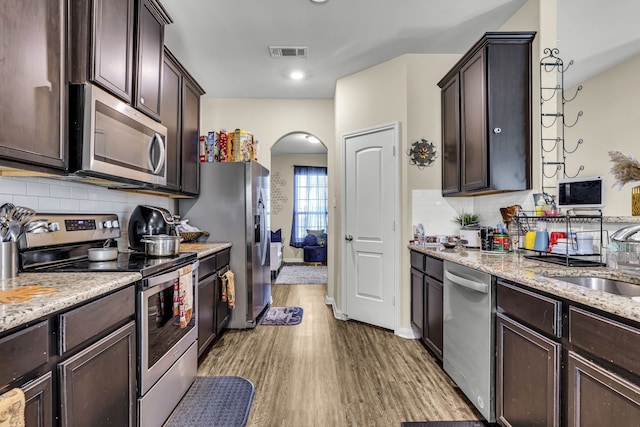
{"x":166,"y":278}
{"x":466,"y":283}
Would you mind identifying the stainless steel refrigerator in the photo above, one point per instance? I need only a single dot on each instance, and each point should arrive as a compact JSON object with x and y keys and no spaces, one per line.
{"x":233,"y":206}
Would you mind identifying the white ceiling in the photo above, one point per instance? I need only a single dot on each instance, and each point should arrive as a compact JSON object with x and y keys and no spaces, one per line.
{"x":225,"y":43}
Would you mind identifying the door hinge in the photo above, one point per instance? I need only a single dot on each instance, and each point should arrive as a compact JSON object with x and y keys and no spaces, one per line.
{"x":393,"y":300}
{"x":394,"y":151}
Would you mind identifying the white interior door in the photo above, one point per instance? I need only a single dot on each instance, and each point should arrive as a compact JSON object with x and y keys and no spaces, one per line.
{"x":369,"y":225}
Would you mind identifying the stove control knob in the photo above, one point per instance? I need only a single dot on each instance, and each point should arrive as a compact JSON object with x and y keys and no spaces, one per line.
{"x":106,"y":224}
{"x":115,"y":223}
{"x":53,"y":226}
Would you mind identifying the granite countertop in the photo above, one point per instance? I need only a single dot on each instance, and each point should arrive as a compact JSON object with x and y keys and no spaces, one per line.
{"x":73,"y":288}
{"x":204,"y":249}
{"x":534,"y":274}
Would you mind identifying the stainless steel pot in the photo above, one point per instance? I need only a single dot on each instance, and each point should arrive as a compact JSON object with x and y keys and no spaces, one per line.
{"x":160,"y":245}
{"x":103,"y":254}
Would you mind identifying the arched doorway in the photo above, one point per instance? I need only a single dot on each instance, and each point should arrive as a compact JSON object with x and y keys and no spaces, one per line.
{"x":293,"y":149}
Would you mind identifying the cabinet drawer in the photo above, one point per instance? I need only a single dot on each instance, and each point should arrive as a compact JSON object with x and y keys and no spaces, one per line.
{"x":417,"y":260}
{"x":90,"y":320}
{"x":535,"y":310}
{"x":223,"y":258}
{"x":605,"y":338}
{"x":434,"y":267}
{"x":23,"y":351}
{"x":207,"y":267}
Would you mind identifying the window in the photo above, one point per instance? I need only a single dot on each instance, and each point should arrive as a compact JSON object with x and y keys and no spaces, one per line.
{"x":309,"y":202}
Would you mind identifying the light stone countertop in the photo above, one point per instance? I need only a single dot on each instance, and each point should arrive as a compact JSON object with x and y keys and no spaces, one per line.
{"x":531,"y":273}
{"x":73,"y":288}
{"x":203,"y":249}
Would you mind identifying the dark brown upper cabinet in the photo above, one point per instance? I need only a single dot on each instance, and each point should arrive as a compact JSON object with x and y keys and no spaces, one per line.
{"x":486,"y":117}
{"x":181,"y":115}
{"x":118,"y":44}
{"x":32,"y":83}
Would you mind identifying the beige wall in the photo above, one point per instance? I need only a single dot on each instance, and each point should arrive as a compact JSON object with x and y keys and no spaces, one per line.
{"x":270,"y":119}
{"x":282,"y":209}
{"x":611,"y":121}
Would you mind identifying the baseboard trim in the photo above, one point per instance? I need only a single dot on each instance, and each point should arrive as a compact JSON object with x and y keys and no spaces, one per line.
{"x":407,"y":333}
{"x":336,"y":313}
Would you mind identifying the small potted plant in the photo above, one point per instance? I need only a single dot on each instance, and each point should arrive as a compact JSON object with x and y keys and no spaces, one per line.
{"x":465,"y":219}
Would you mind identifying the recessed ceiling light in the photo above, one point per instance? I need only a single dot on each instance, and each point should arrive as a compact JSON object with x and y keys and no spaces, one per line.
{"x":296,"y":75}
{"x":312,"y":139}
{"x":319,"y":1}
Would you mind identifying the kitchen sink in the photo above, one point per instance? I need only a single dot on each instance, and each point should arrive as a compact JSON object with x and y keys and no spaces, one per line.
{"x":605,"y":285}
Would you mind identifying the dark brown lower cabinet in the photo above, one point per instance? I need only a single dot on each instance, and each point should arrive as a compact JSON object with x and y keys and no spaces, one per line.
{"x":527,"y":376}
{"x":213,"y":311}
{"x":433,"y":324}
{"x":426,"y":300}
{"x":98,"y":385}
{"x":38,"y":411}
{"x":417,"y":301}
{"x":597,"y":397}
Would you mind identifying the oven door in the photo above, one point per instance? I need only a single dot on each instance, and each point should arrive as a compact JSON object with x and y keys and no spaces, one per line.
{"x":162,"y":339}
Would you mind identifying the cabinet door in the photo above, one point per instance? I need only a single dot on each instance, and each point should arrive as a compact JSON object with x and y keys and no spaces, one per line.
{"x":417,"y":301}
{"x":112,"y":65}
{"x":434,"y":313}
{"x":32,"y":83}
{"x":451,"y":137}
{"x":473,"y":118}
{"x":98,"y":385}
{"x":598,"y":397}
{"x":150,"y":59}
{"x":190,"y":182}
{"x":170,"y":117}
{"x":206,"y":314}
{"x":527,"y":376}
{"x":38,"y":410}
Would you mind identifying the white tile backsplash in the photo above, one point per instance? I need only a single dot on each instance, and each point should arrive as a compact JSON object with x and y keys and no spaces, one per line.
{"x":436,"y":213}
{"x":49,"y":195}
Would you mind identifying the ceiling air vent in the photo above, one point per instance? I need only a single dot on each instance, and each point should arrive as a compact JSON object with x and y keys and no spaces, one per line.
{"x":288,"y":51}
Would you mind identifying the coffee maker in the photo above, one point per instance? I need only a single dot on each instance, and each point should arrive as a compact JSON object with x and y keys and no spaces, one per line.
{"x":149,"y":220}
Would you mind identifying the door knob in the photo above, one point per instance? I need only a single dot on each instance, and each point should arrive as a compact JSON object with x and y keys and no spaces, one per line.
{"x":348,"y":237}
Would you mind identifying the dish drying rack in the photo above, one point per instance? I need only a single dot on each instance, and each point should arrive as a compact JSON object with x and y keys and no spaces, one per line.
{"x":571,"y":222}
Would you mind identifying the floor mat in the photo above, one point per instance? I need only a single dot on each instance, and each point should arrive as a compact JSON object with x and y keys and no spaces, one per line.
{"x":302,"y":275}
{"x":446,"y":424}
{"x":214,"y":402}
{"x":282,"y":316}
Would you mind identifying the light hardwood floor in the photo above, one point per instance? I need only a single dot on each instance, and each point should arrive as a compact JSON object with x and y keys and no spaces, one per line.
{"x":328,"y":372}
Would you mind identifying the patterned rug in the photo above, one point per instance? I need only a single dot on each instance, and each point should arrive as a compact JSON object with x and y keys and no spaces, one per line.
{"x":214,"y":402}
{"x":302,"y":275}
{"x":282,"y":316}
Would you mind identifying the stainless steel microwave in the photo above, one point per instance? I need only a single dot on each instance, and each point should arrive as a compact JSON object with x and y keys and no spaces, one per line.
{"x":111,"y":141}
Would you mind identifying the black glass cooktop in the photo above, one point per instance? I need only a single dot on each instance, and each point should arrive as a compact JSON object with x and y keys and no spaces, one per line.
{"x":127,"y":261}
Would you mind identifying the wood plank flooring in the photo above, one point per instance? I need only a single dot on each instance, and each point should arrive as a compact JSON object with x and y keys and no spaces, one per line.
{"x":328,"y":372}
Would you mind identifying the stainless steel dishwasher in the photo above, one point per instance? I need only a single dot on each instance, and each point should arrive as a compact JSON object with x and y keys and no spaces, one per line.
{"x":469,"y":339}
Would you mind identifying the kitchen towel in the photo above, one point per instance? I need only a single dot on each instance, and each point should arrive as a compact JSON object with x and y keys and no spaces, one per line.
{"x":12,"y":408}
{"x":228,"y":288}
{"x":183,"y":295}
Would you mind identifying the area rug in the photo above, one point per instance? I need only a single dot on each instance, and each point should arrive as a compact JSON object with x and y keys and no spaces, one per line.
{"x":302,"y":275}
{"x":214,"y":402}
{"x":282,"y":316}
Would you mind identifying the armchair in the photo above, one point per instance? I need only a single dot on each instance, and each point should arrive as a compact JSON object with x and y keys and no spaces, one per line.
{"x":314,"y":247}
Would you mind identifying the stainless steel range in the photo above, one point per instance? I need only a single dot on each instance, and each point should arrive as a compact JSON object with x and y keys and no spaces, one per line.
{"x":166,"y":349}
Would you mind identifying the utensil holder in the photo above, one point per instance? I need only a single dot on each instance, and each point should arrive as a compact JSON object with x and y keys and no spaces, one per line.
{"x":635,"y":201}
{"x":8,"y":260}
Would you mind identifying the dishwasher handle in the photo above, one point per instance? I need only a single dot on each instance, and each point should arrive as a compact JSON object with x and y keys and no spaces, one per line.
{"x":466,"y":283}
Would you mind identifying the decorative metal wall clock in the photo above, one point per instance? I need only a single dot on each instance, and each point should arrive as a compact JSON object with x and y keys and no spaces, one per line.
{"x":422,"y":153}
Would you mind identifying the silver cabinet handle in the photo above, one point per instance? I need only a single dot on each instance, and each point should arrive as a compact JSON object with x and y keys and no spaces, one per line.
{"x":497,"y":130}
{"x":348,"y":237}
